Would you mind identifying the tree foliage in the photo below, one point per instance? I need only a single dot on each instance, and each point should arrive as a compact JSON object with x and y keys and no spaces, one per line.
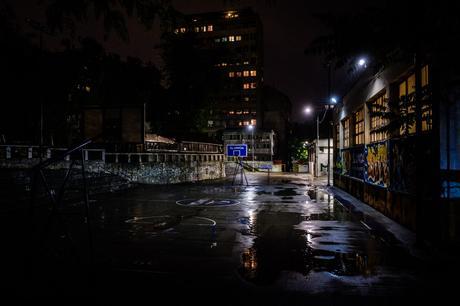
{"x":391,"y":31}
{"x":192,"y":80}
{"x":66,"y":14}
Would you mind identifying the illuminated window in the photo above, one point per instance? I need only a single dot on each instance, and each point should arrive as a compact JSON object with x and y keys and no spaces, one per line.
{"x":231,"y":14}
{"x":210,"y":28}
{"x":427,"y":114}
{"x":377,"y":108}
{"x":224,"y":39}
{"x":359,"y":127}
{"x":253,"y":121}
{"x":238,"y":37}
{"x":239,"y":112}
{"x":223,"y":64}
{"x":246,"y":62}
{"x":253,"y":85}
{"x":238,"y":74}
{"x":245,"y":122}
{"x":246,"y":73}
{"x":253,"y":73}
{"x":346,"y":132}
{"x":231,"y":74}
{"x":246,"y":99}
{"x":197,"y":29}
{"x":231,"y":112}
{"x":231,"y":38}
{"x":176,"y":31}
{"x":217,"y":39}
{"x":182,"y":30}
{"x":407,"y":105}
{"x":246,"y":86}
{"x":245,"y":112}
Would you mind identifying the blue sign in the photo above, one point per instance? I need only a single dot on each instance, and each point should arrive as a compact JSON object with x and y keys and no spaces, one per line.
{"x":240,"y":150}
{"x":266,"y":166}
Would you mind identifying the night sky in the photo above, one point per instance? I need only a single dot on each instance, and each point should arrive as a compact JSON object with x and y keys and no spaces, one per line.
{"x":289,"y":26}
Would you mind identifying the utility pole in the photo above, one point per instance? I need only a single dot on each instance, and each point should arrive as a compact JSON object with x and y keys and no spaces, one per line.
{"x":317,"y":146}
{"x":252,"y":137}
{"x":328,"y":127}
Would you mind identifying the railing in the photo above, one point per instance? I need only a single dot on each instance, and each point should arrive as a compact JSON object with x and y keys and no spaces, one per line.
{"x":15,"y":152}
{"x":184,"y":146}
{"x":57,"y":197}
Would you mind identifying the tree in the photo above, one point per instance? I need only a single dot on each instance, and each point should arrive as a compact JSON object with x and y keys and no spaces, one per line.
{"x":192,"y":81}
{"x":65,"y":15}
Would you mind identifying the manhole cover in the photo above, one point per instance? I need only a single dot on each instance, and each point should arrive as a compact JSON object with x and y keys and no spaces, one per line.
{"x":207,"y":202}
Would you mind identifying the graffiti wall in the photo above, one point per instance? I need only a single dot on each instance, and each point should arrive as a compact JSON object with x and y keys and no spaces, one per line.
{"x":402,"y":170}
{"x":377,"y":167}
{"x":346,"y":162}
{"x":358,"y":162}
{"x":352,"y":162}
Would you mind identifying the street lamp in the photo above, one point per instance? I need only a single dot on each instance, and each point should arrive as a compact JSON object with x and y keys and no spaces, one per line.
{"x":308,"y":110}
{"x":362,"y":62}
{"x":251,"y":128}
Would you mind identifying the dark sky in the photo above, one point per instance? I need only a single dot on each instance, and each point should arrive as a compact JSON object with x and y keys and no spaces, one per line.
{"x":289,"y":26}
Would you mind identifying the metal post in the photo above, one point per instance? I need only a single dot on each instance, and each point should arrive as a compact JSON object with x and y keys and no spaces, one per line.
{"x":329,"y":84}
{"x":252,"y":132}
{"x":328,"y":156}
{"x":317,"y":146}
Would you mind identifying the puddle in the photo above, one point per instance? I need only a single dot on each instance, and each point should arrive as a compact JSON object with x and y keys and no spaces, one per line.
{"x":286,"y":192}
{"x":331,"y":241}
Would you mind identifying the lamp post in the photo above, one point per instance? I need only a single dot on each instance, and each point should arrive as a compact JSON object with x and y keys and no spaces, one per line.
{"x":308,"y":110}
{"x":251,"y":128}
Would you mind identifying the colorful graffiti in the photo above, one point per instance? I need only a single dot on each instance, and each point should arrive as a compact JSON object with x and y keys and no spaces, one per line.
{"x":402,"y":169}
{"x":377,"y":169}
{"x":353,"y":162}
{"x":358,"y":162}
{"x":346,"y":162}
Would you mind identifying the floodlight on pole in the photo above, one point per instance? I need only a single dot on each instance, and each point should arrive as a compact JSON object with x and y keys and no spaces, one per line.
{"x":362,"y":62}
{"x":307,"y":110}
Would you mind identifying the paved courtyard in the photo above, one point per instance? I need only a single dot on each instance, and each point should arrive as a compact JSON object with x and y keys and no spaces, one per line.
{"x":277,"y":240}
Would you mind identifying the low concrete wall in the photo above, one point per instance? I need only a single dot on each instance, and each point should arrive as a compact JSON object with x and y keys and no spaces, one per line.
{"x":169,"y":172}
{"x":176,"y":169}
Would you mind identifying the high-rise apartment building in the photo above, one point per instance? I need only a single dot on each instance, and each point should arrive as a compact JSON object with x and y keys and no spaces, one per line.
{"x":238,"y":37}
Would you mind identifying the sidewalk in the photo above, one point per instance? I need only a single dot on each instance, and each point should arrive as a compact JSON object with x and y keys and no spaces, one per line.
{"x":371,"y":218}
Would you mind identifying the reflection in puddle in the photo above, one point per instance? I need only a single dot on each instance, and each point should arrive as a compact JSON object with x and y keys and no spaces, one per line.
{"x":286,"y":192}
{"x":328,"y":240}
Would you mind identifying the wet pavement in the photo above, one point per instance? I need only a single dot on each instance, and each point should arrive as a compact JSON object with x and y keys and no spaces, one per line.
{"x":287,"y":241}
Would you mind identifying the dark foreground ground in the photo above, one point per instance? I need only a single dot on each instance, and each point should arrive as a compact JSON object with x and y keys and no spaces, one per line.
{"x":288,"y":242}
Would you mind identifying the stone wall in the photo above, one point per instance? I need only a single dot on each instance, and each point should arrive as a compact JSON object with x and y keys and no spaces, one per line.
{"x":166,"y":172}
{"x":170,"y":172}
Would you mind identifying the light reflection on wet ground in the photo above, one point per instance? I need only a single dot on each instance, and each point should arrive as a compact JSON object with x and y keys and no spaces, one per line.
{"x":291,"y":236}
